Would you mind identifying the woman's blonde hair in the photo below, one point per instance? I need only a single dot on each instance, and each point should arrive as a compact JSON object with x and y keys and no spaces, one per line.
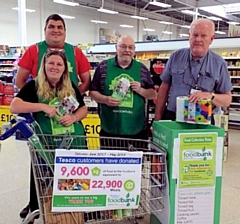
{"x":63,"y":88}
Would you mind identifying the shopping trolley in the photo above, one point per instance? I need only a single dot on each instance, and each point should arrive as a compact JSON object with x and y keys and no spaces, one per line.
{"x":42,"y":151}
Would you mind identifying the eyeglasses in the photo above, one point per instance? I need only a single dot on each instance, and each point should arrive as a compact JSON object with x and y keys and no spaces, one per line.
{"x":125,"y":47}
{"x":54,"y":51}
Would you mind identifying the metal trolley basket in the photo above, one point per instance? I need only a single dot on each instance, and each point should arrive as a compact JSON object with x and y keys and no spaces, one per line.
{"x":153,"y":177}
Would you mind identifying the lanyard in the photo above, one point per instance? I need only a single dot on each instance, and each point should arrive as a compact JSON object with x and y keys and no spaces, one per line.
{"x":201,"y":71}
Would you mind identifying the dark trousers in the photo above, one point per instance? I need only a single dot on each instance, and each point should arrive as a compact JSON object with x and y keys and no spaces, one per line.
{"x":33,"y":193}
{"x":168,"y":115}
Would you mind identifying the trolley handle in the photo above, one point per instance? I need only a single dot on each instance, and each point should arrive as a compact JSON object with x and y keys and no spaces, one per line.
{"x":21,"y":124}
{"x":28,"y":117}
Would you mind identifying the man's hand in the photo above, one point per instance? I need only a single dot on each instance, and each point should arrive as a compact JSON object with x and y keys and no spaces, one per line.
{"x":50,"y":110}
{"x":111,"y":102}
{"x":136,"y":86}
{"x":195,"y":97}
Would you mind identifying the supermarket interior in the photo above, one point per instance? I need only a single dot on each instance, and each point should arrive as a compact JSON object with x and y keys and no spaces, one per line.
{"x":159,"y":28}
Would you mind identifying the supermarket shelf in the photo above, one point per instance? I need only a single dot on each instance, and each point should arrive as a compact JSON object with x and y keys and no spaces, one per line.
{"x":233,"y":103}
{"x":236,"y":86}
{"x":233,"y":67}
{"x":234,"y":77}
{"x":232,"y":115}
{"x":6,"y":70}
{"x":164,"y":45}
{"x":234,"y":58}
{"x":234,"y":122}
{"x":9,"y":58}
{"x":7,"y":65}
{"x":237,"y":95}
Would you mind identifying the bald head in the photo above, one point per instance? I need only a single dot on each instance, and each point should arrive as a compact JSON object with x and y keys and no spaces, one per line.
{"x":125,"y":38}
{"x":207,"y":23}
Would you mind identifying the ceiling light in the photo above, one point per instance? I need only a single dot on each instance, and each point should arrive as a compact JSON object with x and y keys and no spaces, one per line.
{"x":183,"y":35}
{"x":66,"y":2}
{"x":164,"y":22}
{"x":233,"y":23}
{"x":231,"y":7}
{"x":185,"y":26}
{"x":190,"y":12}
{"x":139,"y":17}
{"x":166,"y":32}
{"x":220,"y":32}
{"x":126,"y":26}
{"x":214,"y":18}
{"x":66,"y":17}
{"x":27,"y":10}
{"x":107,"y":11}
{"x":150,"y":30}
{"x":98,"y":21}
{"x":160,"y":4}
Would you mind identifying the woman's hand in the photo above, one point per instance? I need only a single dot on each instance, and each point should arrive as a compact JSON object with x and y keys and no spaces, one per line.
{"x":67,"y":120}
{"x":51,"y":111}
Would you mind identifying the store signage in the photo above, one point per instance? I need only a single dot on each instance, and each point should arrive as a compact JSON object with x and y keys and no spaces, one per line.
{"x":195,"y":193}
{"x":5,"y":115}
{"x":90,"y":180}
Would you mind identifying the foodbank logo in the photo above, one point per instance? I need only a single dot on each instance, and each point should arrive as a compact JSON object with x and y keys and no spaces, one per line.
{"x":198,"y":154}
{"x":127,"y":200}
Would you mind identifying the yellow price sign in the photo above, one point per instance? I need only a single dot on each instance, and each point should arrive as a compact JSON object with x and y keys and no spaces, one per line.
{"x":92,"y":128}
{"x":5,"y":115}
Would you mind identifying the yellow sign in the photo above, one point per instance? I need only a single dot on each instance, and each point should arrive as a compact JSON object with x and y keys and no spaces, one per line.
{"x":5,"y":116}
{"x":92,"y":128}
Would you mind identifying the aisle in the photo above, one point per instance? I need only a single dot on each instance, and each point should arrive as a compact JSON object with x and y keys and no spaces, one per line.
{"x":231,"y":182}
{"x":14,"y":176}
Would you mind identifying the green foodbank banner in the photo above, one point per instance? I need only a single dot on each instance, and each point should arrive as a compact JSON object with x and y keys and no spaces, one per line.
{"x":197,"y":160}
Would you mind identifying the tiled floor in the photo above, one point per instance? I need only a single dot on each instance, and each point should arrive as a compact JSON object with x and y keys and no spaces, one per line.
{"x":14,"y":176}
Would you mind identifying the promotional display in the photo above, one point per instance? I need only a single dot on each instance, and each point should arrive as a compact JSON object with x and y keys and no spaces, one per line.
{"x":194,"y":154}
{"x":88,"y":180}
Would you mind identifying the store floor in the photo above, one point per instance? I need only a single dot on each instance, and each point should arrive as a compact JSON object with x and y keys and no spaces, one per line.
{"x":14,"y":176}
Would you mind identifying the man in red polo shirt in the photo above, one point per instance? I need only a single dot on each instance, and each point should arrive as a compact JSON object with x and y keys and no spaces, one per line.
{"x":78,"y":65}
{"x":55,"y":34}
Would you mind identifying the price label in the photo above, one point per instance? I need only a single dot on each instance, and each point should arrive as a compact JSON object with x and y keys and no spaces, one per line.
{"x":87,"y":179}
{"x":92,"y":129}
{"x":5,"y":115}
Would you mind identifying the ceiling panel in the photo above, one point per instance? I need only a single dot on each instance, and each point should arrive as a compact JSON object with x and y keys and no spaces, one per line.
{"x":174,"y":14}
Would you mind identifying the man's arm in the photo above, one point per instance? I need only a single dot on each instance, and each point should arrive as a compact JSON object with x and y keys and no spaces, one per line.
{"x":220,"y":100}
{"x":83,"y":68}
{"x":162,"y":97}
{"x":21,"y":77}
{"x":86,"y":80}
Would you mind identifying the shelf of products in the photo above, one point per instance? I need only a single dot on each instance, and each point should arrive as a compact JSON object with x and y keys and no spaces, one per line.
{"x":7,"y":72}
{"x":233,"y":64}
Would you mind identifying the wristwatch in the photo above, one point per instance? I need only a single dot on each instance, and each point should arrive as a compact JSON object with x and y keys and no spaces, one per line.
{"x":213,"y":96}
